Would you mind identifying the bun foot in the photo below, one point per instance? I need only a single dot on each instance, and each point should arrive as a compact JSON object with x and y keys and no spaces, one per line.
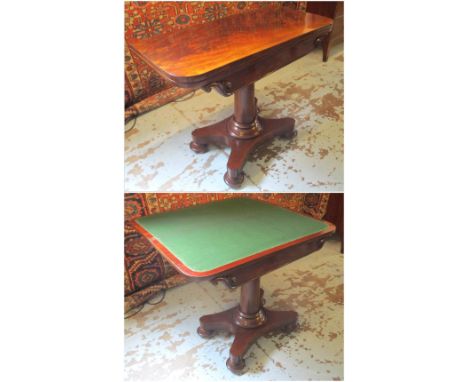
{"x":235,"y":364}
{"x":289,"y":328}
{"x":289,"y":135}
{"x":234,"y":178}
{"x":198,"y":148}
{"x":203,"y":333}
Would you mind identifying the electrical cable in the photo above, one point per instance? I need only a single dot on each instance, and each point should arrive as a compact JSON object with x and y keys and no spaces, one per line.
{"x":134,"y":123}
{"x":181,"y":99}
{"x":163,"y":294}
{"x":162,"y":291}
{"x":189,"y":96}
{"x":139,"y":308}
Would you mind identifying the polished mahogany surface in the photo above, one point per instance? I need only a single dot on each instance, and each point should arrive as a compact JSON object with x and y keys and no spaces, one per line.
{"x":196,"y":51}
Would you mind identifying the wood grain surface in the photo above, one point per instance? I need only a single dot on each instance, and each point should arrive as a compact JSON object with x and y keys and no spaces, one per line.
{"x":192,"y":54}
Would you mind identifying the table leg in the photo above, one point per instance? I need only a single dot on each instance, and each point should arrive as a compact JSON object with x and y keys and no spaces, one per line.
{"x":247,"y":322}
{"x":243,"y":132}
{"x":325,"y":47}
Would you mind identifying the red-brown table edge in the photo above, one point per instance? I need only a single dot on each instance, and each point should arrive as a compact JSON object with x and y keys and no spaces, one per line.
{"x":182,"y":268}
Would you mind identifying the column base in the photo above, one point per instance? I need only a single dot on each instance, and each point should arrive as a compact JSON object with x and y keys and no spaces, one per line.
{"x":285,"y":321}
{"x":221,"y":133}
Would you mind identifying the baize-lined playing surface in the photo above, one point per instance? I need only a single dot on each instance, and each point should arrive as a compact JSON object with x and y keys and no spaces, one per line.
{"x":208,"y":236}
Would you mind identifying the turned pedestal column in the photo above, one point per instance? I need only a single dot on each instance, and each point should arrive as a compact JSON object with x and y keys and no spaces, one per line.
{"x":242,"y":132}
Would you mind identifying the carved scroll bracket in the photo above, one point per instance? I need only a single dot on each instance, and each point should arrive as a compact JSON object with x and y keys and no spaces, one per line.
{"x":222,"y":87}
{"x":230,"y":281}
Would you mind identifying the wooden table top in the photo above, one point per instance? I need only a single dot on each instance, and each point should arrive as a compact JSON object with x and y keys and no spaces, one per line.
{"x":207,"y":239}
{"x":194,"y":53}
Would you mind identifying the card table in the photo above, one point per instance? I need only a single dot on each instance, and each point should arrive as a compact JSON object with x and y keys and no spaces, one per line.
{"x":229,"y":55}
{"x":236,"y":241}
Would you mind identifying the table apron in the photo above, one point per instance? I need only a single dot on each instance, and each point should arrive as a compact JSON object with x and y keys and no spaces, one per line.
{"x":257,"y":268}
{"x":228,"y":83}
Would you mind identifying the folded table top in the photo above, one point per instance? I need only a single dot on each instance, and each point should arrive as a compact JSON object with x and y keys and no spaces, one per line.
{"x":189,"y":54}
{"x":206,"y":239}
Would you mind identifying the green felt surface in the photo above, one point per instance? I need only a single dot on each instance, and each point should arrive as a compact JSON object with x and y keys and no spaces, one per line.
{"x":207,"y":236}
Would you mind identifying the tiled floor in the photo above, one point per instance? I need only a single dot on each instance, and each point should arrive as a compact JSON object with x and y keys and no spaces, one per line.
{"x":157,"y":156}
{"x":161,"y":341}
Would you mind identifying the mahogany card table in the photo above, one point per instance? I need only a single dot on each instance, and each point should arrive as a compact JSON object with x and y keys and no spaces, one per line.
{"x":236,"y":241}
{"x":229,"y":55}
